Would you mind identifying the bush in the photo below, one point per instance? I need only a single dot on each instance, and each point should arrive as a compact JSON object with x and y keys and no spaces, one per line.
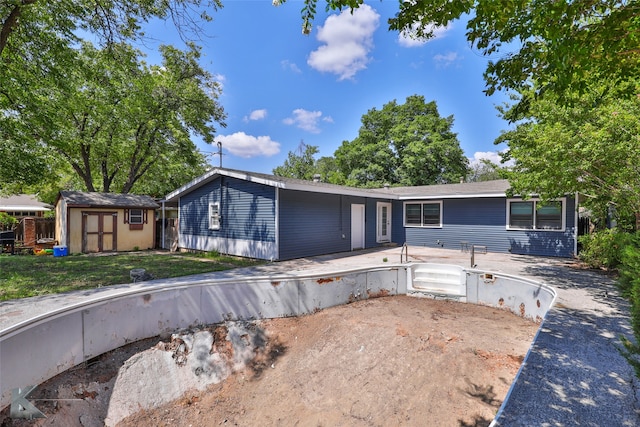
{"x":603,"y":249}
{"x":630,"y":285}
{"x":6,"y":220}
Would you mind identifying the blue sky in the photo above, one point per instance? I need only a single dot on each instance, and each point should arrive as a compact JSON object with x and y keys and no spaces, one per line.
{"x":280,"y":87}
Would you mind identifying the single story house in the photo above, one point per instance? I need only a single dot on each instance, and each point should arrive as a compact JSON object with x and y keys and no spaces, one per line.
{"x":23,"y":205}
{"x":104,"y":222}
{"x":268,"y":217}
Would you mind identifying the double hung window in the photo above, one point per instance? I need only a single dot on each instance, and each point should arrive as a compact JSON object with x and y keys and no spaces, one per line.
{"x":423,"y":214}
{"x":214,"y":216}
{"x":533,"y":215}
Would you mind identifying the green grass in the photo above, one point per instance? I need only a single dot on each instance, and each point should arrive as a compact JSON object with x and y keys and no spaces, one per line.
{"x":24,"y":276}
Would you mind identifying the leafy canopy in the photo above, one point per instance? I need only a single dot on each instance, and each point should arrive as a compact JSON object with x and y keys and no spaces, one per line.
{"x":590,"y":145}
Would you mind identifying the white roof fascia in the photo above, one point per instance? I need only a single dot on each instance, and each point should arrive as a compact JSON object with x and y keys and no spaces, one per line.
{"x":452,"y":196}
{"x":15,"y":208}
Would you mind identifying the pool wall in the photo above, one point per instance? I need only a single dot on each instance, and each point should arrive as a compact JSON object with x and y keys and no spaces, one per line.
{"x":35,"y":350}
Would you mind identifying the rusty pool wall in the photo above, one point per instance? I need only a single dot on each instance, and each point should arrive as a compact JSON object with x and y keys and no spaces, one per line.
{"x":40,"y":348}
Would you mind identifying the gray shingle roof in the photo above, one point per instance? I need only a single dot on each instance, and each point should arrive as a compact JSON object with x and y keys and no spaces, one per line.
{"x":111,"y":200}
{"x":466,"y":189}
{"x":22,"y":202}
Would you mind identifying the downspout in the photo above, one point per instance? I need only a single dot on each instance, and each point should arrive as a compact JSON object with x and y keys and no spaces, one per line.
{"x":163,"y":225}
{"x":575,"y":226}
{"x":277,"y":225}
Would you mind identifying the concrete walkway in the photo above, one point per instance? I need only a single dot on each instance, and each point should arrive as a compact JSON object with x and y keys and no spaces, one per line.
{"x":574,"y":374}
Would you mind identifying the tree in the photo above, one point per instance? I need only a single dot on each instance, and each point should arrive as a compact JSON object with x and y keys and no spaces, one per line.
{"x":590,"y":145}
{"x":485,"y":170}
{"x":38,"y":22}
{"x":557,"y":44}
{"x":299,"y":164}
{"x":114,"y":119}
{"x":38,"y":48}
{"x":406,"y":144}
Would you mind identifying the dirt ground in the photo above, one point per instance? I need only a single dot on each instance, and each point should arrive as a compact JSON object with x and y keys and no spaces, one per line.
{"x":399,"y":361}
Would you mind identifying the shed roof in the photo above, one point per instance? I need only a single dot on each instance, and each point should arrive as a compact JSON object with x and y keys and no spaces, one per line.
{"x":23,"y":202}
{"x":107,"y":200}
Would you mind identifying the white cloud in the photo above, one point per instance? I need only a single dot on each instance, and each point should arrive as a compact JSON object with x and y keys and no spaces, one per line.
{"x":292,"y":66}
{"x":410,"y":39}
{"x":348,"y":39}
{"x":307,"y":120}
{"x":492,"y":156}
{"x":246,"y":146}
{"x":446,"y":59}
{"x":256,"y":115}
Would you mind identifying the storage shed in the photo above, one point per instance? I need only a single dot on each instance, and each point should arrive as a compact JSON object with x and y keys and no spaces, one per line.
{"x":105,"y":222}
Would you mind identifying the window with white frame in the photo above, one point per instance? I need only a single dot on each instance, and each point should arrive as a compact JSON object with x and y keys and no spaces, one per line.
{"x":423,"y":214}
{"x":135,"y":216}
{"x":214,"y":216}
{"x":534,"y":215}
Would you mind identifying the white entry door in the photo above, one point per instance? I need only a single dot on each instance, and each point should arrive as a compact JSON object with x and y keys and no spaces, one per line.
{"x":383,"y":223}
{"x":357,"y":227}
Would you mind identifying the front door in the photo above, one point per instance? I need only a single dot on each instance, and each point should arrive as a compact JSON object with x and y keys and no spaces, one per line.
{"x":357,"y":227}
{"x":99,"y":231}
{"x":383,"y":223}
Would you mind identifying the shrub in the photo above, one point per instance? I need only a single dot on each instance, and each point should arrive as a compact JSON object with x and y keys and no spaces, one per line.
{"x":603,"y":249}
{"x":630,"y":285}
{"x":6,"y":220}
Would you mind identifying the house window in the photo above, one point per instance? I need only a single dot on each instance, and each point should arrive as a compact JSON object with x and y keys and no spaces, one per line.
{"x":135,"y":216}
{"x":533,"y":215}
{"x":214,"y":216}
{"x":423,"y":214}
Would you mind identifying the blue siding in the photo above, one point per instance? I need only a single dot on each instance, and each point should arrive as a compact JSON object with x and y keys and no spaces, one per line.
{"x":247,"y":209}
{"x":483,"y":222}
{"x":313,"y":224}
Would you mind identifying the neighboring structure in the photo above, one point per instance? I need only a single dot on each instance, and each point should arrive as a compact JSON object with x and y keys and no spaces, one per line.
{"x":23,"y":205}
{"x":263,"y":216}
{"x":104,"y":222}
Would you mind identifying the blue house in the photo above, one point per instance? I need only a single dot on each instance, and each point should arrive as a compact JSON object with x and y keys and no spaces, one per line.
{"x":268,"y":217}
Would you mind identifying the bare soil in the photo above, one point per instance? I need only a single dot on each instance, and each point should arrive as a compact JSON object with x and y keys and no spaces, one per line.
{"x":399,"y":361}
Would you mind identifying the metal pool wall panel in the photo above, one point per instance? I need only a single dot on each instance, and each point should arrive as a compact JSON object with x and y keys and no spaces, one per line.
{"x":386,"y":282}
{"x":251,"y":299}
{"x":119,"y":321}
{"x":526,"y":298}
{"x":50,"y":346}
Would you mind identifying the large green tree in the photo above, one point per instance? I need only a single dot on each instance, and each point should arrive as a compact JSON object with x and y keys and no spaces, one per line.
{"x":589,"y":145}
{"x":555,"y":43}
{"x":299,"y":164}
{"x":115,"y":119}
{"x":403,"y":144}
{"x":38,"y":49}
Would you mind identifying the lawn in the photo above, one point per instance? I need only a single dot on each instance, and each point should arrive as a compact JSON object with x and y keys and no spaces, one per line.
{"x":29,"y":275}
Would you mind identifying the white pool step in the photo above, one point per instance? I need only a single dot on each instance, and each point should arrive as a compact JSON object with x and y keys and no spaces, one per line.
{"x":439,"y":280}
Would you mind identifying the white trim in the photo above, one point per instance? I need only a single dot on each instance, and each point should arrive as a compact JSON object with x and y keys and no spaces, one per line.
{"x":212,"y":224}
{"x":239,"y":247}
{"x":421,"y":202}
{"x":452,"y":196}
{"x":360,"y":223}
{"x":563,"y":202}
{"x":380,"y":238}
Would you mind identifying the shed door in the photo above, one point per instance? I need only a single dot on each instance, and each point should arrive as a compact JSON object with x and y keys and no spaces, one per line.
{"x":99,"y":231}
{"x":383,"y":223}
{"x":357,"y":227}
